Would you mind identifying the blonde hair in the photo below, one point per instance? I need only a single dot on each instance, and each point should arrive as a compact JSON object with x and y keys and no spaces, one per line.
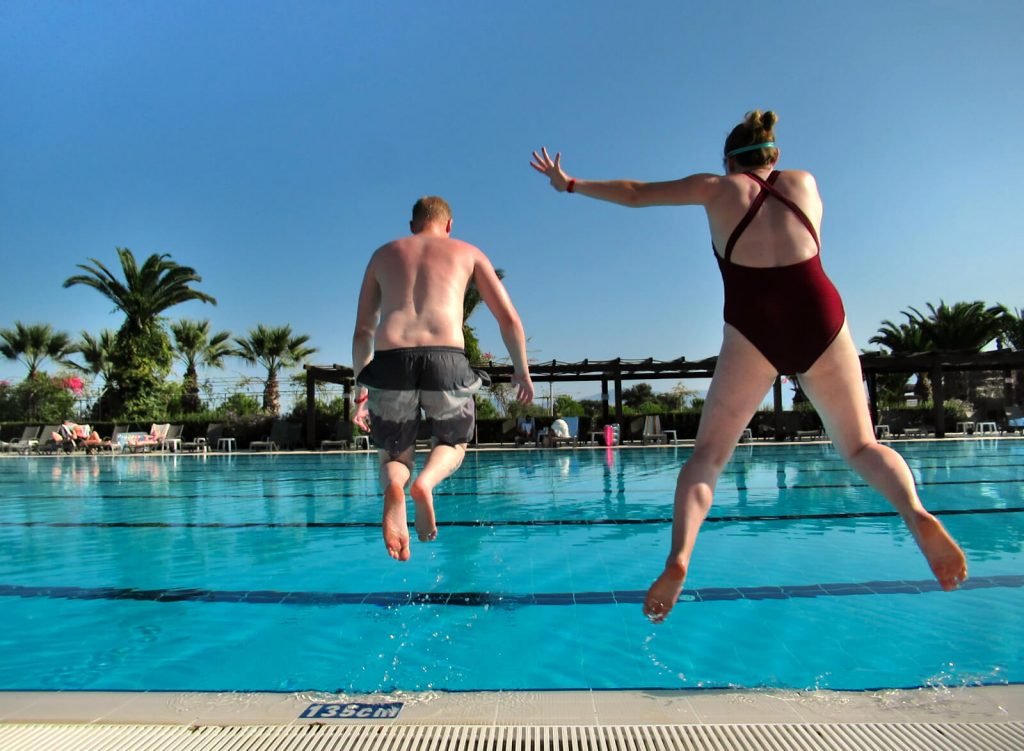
{"x":431,"y":209}
{"x":757,"y":127}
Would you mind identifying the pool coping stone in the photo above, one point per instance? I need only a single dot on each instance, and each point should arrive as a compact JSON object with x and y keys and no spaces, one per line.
{"x":984,"y":704}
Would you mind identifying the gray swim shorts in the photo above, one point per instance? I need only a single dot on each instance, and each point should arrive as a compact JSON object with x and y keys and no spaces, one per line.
{"x":402,"y":381}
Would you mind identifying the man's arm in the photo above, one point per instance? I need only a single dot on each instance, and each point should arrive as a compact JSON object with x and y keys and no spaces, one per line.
{"x":367,"y":316}
{"x":496,"y":298}
{"x":696,"y":189}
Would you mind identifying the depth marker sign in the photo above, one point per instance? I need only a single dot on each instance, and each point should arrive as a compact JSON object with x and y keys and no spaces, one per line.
{"x":352,"y":711}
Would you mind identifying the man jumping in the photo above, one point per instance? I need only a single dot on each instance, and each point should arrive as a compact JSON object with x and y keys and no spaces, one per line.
{"x":408,"y":353}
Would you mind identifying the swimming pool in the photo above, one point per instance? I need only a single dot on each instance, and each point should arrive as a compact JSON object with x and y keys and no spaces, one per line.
{"x":268,"y":574}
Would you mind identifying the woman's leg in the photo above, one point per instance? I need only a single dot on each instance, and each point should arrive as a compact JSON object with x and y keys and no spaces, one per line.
{"x":835,"y":387}
{"x":742,"y":378}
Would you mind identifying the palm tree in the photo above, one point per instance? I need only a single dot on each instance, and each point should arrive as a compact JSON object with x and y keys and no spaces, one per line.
{"x":1013,"y":329}
{"x":903,"y":339}
{"x":961,"y":327}
{"x":274,"y":348}
{"x":1013,"y":335}
{"x":470,"y":300}
{"x":97,"y":352}
{"x":141,"y":357}
{"x":34,"y":343}
{"x":194,"y":346}
{"x":145,"y":292}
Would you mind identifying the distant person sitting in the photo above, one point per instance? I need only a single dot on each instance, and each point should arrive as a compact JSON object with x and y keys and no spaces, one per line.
{"x":524,"y":431}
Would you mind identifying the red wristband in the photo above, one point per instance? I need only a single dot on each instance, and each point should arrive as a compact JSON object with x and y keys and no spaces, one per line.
{"x":571,"y":187}
{"x":361,"y":399}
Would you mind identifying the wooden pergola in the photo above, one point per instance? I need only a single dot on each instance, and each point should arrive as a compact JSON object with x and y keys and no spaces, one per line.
{"x":614,"y":372}
{"x":935,"y":364}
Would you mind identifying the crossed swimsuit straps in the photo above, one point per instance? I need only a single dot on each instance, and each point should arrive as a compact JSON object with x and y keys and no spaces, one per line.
{"x":790,"y":313}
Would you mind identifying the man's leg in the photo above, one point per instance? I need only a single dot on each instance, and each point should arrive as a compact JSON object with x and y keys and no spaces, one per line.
{"x":443,"y":460}
{"x":394,"y":420}
{"x":394,"y":475}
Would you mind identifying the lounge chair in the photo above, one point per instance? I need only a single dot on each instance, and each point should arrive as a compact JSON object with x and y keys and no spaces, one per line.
{"x":341,"y":439}
{"x":282,"y":435}
{"x":652,"y":431}
{"x":554,"y":441}
{"x":813,"y":433}
{"x":293,"y":437}
{"x":172,"y":438}
{"x":114,"y":442}
{"x":47,"y":443}
{"x":62,"y":439}
{"x":151,"y":440}
{"x":636,"y":429}
{"x":214,"y":432}
{"x":29,"y":438}
{"x":508,"y":430}
{"x":1014,"y":419}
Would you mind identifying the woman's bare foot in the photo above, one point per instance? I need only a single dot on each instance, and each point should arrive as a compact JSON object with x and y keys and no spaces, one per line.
{"x":395,"y":523}
{"x":945,"y":557}
{"x":426,"y":522}
{"x":662,"y":595}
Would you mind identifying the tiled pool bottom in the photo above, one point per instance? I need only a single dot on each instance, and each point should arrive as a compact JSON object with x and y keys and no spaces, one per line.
{"x":983,"y":704}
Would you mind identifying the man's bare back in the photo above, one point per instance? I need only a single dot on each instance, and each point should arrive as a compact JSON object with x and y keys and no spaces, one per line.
{"x":422,"y":281}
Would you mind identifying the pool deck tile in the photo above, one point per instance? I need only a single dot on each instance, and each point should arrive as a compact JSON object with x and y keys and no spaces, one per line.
{"x":653,"y":707}
{"x":62,"y":706}
{"x":724,"y":707}
{"x":545,"y":708}
{"x":12,"y":702}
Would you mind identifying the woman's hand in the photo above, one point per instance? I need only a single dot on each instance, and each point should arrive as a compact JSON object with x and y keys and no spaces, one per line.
{"x":524,"y":387}
{"x":552,"y":168}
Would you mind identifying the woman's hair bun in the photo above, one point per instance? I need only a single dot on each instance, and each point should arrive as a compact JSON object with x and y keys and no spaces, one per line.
{"x":758,"y":120}
{"x":757,"y":127}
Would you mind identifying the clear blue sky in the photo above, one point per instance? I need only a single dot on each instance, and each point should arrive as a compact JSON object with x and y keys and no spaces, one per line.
{"x":274,"y":145}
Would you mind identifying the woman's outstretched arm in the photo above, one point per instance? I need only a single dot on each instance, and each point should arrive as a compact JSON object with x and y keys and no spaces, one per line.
{"x":693,"y":190}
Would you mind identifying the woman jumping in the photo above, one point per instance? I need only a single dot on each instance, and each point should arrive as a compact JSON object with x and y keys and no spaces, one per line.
{"x":782,"y":315}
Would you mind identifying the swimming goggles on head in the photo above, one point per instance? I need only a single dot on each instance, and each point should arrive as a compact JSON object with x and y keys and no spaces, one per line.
{"x":755,"y":147}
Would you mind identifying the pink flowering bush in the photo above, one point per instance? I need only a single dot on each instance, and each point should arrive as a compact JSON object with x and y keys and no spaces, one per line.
{"x":74,"y":384}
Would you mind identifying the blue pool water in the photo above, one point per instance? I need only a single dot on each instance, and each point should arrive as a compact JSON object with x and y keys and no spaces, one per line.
{"x":268,"y":573}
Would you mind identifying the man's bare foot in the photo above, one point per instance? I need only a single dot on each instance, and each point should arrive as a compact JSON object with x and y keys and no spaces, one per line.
{"x":945,"y":557}
{"x":395,"y":523}
{"x":426,"y":522}
{"x":662,"y":595}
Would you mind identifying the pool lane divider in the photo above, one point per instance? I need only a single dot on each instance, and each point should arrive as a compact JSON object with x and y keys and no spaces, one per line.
{"x":500,"y":599}
{"x":505,"y":522}
{"x":342,"y":494}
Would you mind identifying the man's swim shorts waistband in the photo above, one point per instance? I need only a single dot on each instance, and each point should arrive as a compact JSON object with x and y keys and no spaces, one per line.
{"x":423,"y":350}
